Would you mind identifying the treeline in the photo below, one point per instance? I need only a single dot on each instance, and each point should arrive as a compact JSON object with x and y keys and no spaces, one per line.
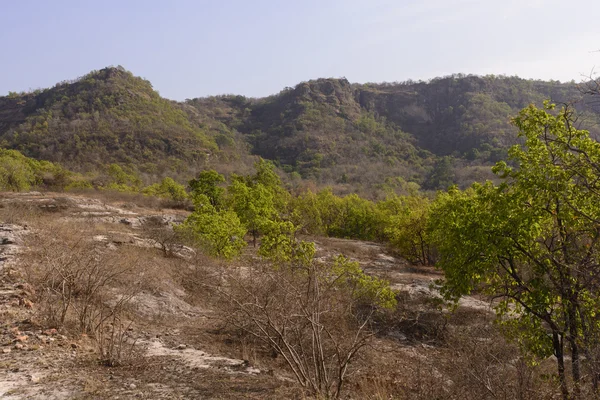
{"x":256,"y":204}
{"x":259,"y":206}
{"x":19,"y":173}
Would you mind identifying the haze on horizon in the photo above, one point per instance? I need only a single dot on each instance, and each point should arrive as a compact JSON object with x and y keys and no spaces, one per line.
{"x":190,"y":48}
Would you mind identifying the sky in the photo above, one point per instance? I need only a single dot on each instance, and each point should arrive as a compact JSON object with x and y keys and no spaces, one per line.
{"x":195,"y":48}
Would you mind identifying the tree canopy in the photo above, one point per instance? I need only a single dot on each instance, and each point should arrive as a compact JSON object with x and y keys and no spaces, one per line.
{"x":533,"y":242}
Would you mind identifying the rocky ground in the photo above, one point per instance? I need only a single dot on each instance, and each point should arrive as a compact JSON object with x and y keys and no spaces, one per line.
{"x":177,"y":349}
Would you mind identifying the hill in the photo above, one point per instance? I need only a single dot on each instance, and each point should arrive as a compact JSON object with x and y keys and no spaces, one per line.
{"x":106,"y":116}
{"x":336,"y":132}
{"x":356,"y":137}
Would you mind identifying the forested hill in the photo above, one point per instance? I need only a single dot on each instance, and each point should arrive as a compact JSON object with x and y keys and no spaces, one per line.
{"x":353,"y":136}
{"x":104,"y":117}
{"x":432,"y":132}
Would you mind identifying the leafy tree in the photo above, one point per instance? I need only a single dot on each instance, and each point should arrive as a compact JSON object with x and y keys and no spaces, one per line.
{"x":280,"y":244}
{"x":122,"y":180}
{"x":19,"y":173}
{"x":219,"y":232}
{"x":533,"y":242}
{"x":15,"y":175}
{"x":406,"y":228}
{"x":357,"y":218}
{"x":207,"y":184}
{"x":267,"y":177}
{"x":253,"y":205}
{"x":306,"y":213}
{"x":365,"y":288}
{"x":167,"y":188}
{"x":329,"y":209}
{"x":441,"y":176}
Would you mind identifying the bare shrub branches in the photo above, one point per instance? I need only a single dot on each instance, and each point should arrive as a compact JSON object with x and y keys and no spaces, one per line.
{"x":83,"y":287}
{"x":304,"y":316}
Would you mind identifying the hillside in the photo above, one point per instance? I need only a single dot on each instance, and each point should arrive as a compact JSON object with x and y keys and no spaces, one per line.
{"x":104,"y":117}
{"x":356,"y":137}
{"x":336,"y":132}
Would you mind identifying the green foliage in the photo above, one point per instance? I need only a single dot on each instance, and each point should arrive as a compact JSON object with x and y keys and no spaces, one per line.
{"x":79,"y":184}
{"x":207,"y":184}
{"x":15,"y":174}
{"x":406,"y":227}
{"x":280,"y":245}
{"x":355,"y":218}
{"x":532,"y":241}
{"x":441,"y":176}
{"x":366,"y":288}
{"x":253,"y":205}
{"x":19,"y":173}
{"x":122,"y":180}
{"x":168,"y":189}
{"x":220,"y":233}
{"x":306,"y":213}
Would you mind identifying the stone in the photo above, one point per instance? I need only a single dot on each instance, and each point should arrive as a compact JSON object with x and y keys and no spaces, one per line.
{"x":22,"y":338}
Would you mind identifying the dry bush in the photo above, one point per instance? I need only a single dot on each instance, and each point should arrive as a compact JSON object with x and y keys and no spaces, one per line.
{"x":83,"y":287}
{"x":473,"y":364}
{"x":479,"y":363}
{"x":111,"y":333}
{"x":132,"y":199}
{"x":162,"y":234}
{"x":302,"y":316}
{"x":19,"y":213}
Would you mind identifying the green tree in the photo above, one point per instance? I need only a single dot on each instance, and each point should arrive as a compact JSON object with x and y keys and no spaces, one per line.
{"x":253,"y":205}
{"x":533,"y":242}
{"x":122,"y":180}
{"x":15,"y":175}
{"x":167,"y":188}
{"x":267,"y":177}
{"x":220,"y":233}
{"x":306,"y":213}
{"x":406,"y":227}
{"x":207,"y":183}
{"x":442,"y":174}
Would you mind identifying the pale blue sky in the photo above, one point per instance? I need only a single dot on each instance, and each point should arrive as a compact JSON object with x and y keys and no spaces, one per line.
{"x":192,"y":48}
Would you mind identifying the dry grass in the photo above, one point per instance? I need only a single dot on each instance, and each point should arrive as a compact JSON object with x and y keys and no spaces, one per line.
{"x":419,"y":353}
{"x":134,"y":200}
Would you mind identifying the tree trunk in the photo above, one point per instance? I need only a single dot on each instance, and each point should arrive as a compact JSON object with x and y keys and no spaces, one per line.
{"x":575,"y":367}
{"x":560,"y":361}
